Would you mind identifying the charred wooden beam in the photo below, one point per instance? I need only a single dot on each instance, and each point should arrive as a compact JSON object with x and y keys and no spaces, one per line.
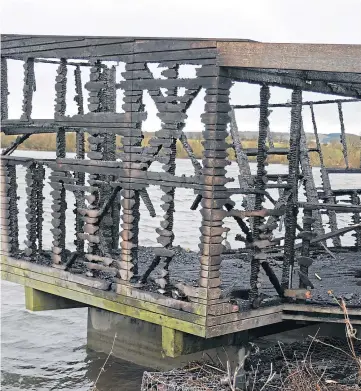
{"x":13,"y":146}
{"x":305,"y":103}
{"x":330,"y":235}
{"x":284,"y":81}
{"x":343,"y":170}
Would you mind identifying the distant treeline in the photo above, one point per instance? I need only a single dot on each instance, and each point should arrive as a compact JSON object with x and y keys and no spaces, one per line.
{"x":332,"y":152}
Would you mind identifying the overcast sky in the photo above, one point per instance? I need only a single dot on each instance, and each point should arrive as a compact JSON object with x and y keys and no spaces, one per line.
{"x":311,"y":21}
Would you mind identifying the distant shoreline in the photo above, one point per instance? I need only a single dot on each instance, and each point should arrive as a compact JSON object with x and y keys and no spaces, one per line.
{"x":332,"y":153}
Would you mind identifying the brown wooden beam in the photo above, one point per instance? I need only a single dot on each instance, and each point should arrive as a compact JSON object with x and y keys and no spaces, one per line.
{"x":308,"y":57}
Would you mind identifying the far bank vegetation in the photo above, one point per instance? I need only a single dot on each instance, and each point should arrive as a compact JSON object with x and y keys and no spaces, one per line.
{"x":332,"y":152}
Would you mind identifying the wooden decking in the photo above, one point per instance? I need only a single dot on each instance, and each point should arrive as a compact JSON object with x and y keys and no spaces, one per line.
{"x":187,"y":317}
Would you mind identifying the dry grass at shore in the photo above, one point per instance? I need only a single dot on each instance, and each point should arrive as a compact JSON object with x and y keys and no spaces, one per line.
{"x":295,"y":373}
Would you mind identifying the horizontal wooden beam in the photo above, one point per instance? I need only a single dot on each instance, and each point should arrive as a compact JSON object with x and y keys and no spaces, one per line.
{"x":343,"y":170}
{"x":328,"y":318}
{"x":308,"y":57}
{"x":306,"y":103}
{"x":142,"y":301}
{"x":108,"y":305}
{"x":333,"y":77}
{"x":254,"y":76}
{"x":245,"y":324}
{"x":331,"y":309}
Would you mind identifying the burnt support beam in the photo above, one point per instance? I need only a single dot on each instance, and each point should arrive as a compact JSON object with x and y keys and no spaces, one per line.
{"x":18,"y":141}
{"x":260,"y":184}
{"x":285,"y":81}
{"x":305,"y":103}
{"x":293,"y":173}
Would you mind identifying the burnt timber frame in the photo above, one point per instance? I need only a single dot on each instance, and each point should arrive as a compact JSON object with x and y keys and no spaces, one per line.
{"x":118,"y":181}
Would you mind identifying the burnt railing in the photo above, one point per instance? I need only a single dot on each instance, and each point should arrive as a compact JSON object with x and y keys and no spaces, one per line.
{"x":109,"y":184}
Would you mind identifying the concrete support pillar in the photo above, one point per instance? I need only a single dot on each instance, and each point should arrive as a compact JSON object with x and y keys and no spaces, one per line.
{"x":151,"y":345}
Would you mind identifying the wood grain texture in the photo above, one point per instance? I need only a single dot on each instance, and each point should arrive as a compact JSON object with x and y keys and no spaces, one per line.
{"x":308,"y":57}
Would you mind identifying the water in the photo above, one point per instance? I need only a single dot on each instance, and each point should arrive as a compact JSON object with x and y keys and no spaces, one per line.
{"x":47,"y":350}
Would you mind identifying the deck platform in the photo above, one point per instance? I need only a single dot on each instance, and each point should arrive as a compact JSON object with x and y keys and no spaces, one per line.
{"x":189,"y":318}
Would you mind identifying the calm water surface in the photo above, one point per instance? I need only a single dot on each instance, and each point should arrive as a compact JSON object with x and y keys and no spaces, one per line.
{"x":47,"y":350}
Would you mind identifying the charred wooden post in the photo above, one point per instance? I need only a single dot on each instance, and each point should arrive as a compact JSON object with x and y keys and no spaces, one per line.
{"x":170,"y":123}
{"x":40,"y":182}
{"x":245,"y":177}
{"x":95,"y":140}
{"x":107,"y":96}
{"x":4,"y":89}
{"x":9,"y":209}
{"x":214,"y":196}
{"x":57,"y":177}
{"x":133,"y":106}
{"x":309,"y":183}
{"x":34,"y":177}
{"x":326,"y":184}
{"x":356,"y":219}
{"x":31,"y":217}
{"x":111,"y":96}
{"x":293,"y":173}
{"x":260,"y":184}
{"x":58,"y":206}
{"x":343,"y":135}
{"x":304,"y":261}
{"x":29,"y":88}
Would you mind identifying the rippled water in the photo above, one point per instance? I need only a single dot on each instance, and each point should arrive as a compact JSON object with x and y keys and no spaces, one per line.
{"x":47,"y":350}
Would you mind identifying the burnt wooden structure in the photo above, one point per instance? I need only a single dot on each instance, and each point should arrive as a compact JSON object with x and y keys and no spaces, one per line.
{"x":106,"y":269}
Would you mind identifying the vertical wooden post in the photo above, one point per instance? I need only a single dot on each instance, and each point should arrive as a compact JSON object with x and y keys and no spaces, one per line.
{"x":260,"y":184}
{"x":326,"y":184}
{"x":306,"y":241}
{"x":31,"y":215}
{"x":215,"y":120}
{"x":4,"y":89}
{"x":356,"y":219}
{"x":107,"y":102}
{"x":40,"y":178}
{"x":80,"y":154}
{"x":293,"y":174}
{"x":9,"y":208}
{"x":58,"y":222}
{"x":59,"y":194}
{"x":133,"y":105}
{"x":165,"y":232}
{"x":29,"y":88}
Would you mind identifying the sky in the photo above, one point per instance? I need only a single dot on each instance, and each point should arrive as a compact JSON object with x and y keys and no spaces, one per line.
{"x":302,"y":21}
